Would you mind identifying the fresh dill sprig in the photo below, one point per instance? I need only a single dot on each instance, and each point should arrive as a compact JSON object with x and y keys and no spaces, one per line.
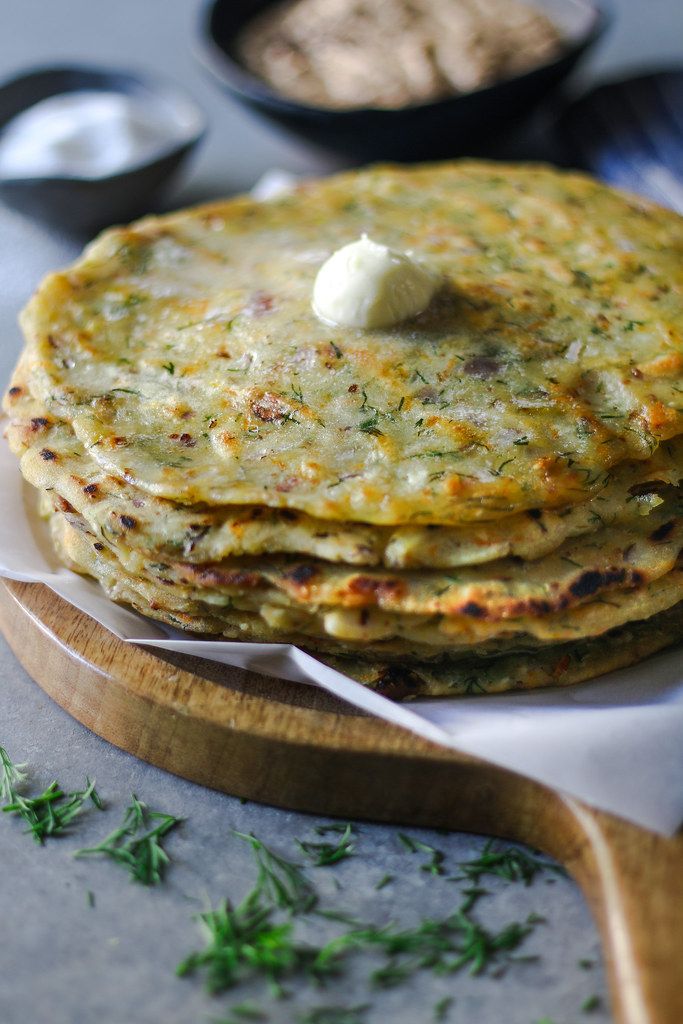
{"x":11,"y":776}
{"x":52,"y":811}
{"x":443,"y":1007}
{"x":340,"y":915}
{"x":137,"y":843}
{"x":248,"y":1011}
{"x":326,"y":854}
{"x":241,"y":1012}
{"x":250,"y":941}
{"x":445,"y":946}
{"x":335,"y":1015}
{"x":385,"y":880}
{"x":245,"y":941}
{"x":282,"y":882}
{"x":434,"y":866}
{"x":510,"y":863}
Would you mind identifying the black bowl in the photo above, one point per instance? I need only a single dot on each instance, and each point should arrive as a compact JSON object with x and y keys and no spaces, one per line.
{"x":448,"y":127}
{"x":85,"y":204}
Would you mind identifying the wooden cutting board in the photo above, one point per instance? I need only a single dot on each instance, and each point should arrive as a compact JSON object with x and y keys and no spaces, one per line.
{"x":297,"y":747}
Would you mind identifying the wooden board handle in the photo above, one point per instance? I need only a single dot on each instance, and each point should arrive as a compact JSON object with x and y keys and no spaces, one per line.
{"x":633,"y":881}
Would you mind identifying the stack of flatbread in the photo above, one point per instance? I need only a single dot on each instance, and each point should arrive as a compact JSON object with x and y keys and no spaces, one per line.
{"x":484,"y":497}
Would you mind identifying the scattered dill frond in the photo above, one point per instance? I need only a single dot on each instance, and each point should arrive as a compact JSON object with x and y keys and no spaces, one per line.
{"x":339,"y":915}
{"x":137,"y":843}
{"x":582,"y":279}
{"x":443,"y":1007}
{"x":335,"y":1015}
{"x":252,"y":941}
{"x":11,"y":776}
{"x":241,"y":1012}
{"x":326,"y":854}
{"x":510,"y":863}
{"x":369,"y":426}
{"x":52,"y":811}
{"x":590,"y":1004}
{"x":280,"y":880}
{"x":586,"y":965}
{"x":248,"y":1011}
{"x":434,"y":866}
{"x":245,"y":941}
{"x":445,"y":946}
{"x":385,"y":880}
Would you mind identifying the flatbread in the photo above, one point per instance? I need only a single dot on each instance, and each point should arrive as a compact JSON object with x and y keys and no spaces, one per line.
{"x":484,"y":670}
{"x":184,"y":352}
{"x":200,"y":535}
{"x":557,"y":666}
{"x":578,"y":571}
{"x":482,"y":498}
{"x":371,"y":633}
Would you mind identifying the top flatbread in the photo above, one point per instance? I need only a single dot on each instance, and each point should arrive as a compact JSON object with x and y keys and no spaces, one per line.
{"x":184,"y":353}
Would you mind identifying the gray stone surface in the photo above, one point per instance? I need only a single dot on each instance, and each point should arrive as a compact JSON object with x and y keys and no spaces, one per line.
{"x":63,"y":961}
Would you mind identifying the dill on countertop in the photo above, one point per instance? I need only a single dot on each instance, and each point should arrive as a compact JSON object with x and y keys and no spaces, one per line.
{"x":326,"y":854}
{"x":445,"y":945}
{"x":137,"y":843}
{"x":443,"y":1008}
{"x":244,"y":941}
{"x":11,"y":776}
{"x":51,"y":812}
{"x":434,"y":866}
{"x":252,"y":941}
{"x":248,"y":1011}
{"x":241,"y":1012}
{"x":335,"y":1015}
{"x":510,"y":863}
{"x":280,"y":880}
{"x":248,"y":940}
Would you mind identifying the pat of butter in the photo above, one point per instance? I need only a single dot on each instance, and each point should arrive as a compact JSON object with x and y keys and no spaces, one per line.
{"x":368,"y":285}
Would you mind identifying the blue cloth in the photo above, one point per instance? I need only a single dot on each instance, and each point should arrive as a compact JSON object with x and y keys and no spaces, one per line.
{"x":630,"y":134}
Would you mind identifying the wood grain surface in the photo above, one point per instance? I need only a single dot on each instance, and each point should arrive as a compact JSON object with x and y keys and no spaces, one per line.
{"x":297,"y":747}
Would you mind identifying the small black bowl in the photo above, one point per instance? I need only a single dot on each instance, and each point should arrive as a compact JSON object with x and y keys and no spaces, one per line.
{"x":79,"y":204}
{"x":448,"y":127}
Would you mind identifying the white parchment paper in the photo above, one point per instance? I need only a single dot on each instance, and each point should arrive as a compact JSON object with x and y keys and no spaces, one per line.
{"x":616,"y":743}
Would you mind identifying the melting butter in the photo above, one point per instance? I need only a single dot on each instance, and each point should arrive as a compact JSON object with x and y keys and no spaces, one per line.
{"x":367,"y":285}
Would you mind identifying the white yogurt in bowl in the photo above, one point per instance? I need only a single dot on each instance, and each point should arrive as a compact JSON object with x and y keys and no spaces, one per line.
{"x":90,"y":134}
